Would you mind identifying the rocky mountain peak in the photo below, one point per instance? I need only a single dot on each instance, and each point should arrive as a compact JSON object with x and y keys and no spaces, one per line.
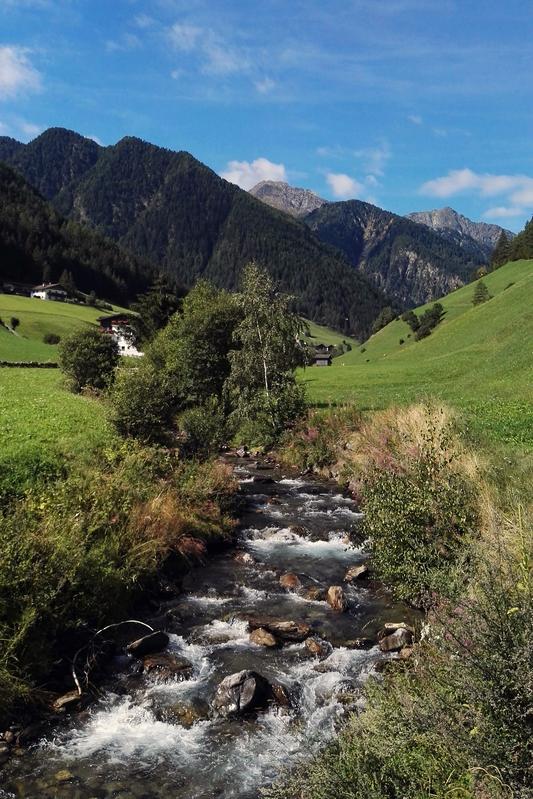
{"x":456,"y":227}
{"x":294,"y":201}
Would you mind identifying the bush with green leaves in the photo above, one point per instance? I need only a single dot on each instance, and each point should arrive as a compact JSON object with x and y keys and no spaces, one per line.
{"x":51,"y":338}
{"x":89,"y":358}
{"x":206,"y":429}
{"x":143,"y":403}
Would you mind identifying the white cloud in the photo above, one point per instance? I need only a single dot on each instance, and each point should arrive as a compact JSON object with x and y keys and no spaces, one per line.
{"x":246,"y":174}
{"x":220,"y":60}
{"x":375,"y":158}
{"x":17,"y":74}
{"x":518,"y":188}
{"x":216,"y":56}
{"x":344,"y":186}
{"x":143,"y":21}
{"x":264,"y":86}
{"x":128,"y":41}
{"x":29,"y":129}
{"x":415,"y":119}
{"x":96,"y":139}
{"x":503,"y":212}
{"x":185,"y":37}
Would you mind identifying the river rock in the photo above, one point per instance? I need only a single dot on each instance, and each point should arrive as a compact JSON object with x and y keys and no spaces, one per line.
{"x":67,"y":701}
{"x":167,"y":666}
{"x":298,"y":529}
{"x":240,"y":693}
{"x":359,"y":643}
{"x":356,"y":573}
{"x":318,"y":647}
{"x":396,"y":640}
{"x":280,"y":694}
{"x":405,"y":653}
{"x":148,"y":644}
{"x":290,"y":581}
{"x":243,"y":452}
{"x":392,"y":626}
{"x":314,"y":594}
{"x":244,"y":558}
{"x":263,"y":637}
{"x":336,"y":599}
{"x":4,"y":752}
{"x":284,"y":630}
{"x":186,"y":714}
{"x":64,"y":775}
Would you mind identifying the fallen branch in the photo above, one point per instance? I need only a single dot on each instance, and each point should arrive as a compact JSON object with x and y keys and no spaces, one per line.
{"x":97,"y":633}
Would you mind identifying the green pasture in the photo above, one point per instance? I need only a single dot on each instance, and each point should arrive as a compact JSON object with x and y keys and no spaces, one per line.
{"x":480,"y":359}
{"x":38,"y":317}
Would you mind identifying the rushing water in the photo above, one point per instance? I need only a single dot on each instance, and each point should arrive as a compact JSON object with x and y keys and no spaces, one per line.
{"x":157,"y":739}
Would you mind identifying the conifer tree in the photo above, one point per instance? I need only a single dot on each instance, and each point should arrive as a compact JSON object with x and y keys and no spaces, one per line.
{"x":481,"y":294}
{"x":502,"y":251}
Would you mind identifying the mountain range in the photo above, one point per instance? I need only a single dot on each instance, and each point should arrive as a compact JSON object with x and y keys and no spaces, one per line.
{"x":399,"y":258}
{"x":172,"y":210}
{"x":475,"y":238}
{"x":342,"y":261}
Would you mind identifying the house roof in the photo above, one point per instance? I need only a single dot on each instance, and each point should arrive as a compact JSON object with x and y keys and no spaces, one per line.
{"x":110,"y":317}
{"x":323,"y":356}
{"x":54,"y":286}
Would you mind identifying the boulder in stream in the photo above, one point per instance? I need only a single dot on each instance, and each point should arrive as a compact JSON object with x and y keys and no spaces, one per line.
{"x":244,"y":558}
{"x":356,"y":573}
{"x":314,"y":594}
{"x":241,"y":693}
{"x":336,"y":598}
{"x":281,"y":629}
{"x":397,"y":640}
{"x":316,"y":646}
{"x":148,"y":644}
{"x":263,"y":637}
{"x":290,"y":581}
{"x":167,"y":666}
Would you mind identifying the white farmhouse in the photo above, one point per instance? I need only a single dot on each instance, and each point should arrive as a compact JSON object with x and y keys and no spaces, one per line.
{"x":49,"y":291}
{"x":119,"y":326}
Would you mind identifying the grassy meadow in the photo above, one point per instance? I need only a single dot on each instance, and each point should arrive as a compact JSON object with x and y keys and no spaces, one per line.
{"x":479,"y":359}
{"x":319,"y":334}
{"x":37,"y":318}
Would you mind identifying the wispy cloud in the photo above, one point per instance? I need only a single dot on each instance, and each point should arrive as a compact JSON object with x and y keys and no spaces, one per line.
{"x":265,"y":85}
{"x":343,"y":186}
{"x":415,"y":119}
{"x":247,"y":174}
{"x":185,"y":37}
{"x":519,"y":188}
{"x":503,"y":212}
{"x":216,"y":55}
{"x":374,"y":159}
{"x":126,"y":42}
{"x":17,"y":73}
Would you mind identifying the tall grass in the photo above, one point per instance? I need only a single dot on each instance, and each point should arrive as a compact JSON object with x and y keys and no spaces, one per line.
{"x":77,"y":552}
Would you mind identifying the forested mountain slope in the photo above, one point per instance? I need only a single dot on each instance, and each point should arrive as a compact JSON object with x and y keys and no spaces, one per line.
{"x":168,"y":207}
{"x":35,"y":239}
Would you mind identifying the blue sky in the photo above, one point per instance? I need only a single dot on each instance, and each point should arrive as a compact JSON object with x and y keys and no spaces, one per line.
{"x":410,"y":104}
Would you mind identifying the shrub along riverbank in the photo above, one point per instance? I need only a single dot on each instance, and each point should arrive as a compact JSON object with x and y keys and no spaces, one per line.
{"x":77,"y":553}
{"x":447,"y":533}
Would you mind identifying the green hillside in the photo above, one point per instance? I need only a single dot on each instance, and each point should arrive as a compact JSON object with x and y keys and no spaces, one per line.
{"x":38,"y":317}
{"x":479,"y":358}
{"x":319,"y":334}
